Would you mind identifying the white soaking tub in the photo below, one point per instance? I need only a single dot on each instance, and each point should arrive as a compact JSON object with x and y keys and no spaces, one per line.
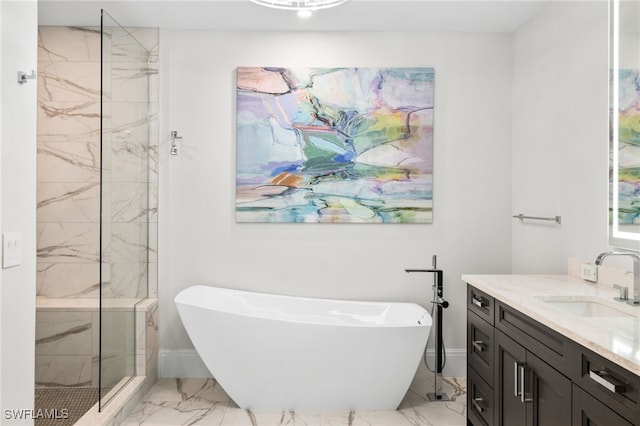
{"x":293,"y":353}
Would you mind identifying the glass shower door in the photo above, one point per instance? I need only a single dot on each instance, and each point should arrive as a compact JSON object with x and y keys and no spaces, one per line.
{"x":124,"y":202}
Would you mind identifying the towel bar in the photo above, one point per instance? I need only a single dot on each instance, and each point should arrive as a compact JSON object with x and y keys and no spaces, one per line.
{"x":556,"y":219}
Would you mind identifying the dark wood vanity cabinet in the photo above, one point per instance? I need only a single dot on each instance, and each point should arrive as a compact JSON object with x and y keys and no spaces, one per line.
{"x":480,"y":358}
{"x":528,"y":391}
{"x":520,"y":372}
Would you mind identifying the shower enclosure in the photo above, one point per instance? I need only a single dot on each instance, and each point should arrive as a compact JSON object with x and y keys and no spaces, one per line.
{"x":124,"y":200}
{"x":96,"y":215}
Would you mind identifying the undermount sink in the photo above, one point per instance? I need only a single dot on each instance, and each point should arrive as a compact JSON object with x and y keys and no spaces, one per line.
{"x":587,"y":307}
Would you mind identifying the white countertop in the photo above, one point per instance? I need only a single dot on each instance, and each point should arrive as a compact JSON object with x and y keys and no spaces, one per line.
{"x":615,"y":338}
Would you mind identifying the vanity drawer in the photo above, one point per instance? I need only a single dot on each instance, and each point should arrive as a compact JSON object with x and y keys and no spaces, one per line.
{"x":479,"y":400}
{"x":480,"y":303}
{"x":556,"y":349}
{"x":480,"y":346}
{"x":615,"y":386}
{"x":589,"y":411}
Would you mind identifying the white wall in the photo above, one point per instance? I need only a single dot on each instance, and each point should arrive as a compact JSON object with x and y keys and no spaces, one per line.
{"x":18,"y":38}
{"x":3,"y":36}
{"x":201,"y":243}
{"x":560,"y":135}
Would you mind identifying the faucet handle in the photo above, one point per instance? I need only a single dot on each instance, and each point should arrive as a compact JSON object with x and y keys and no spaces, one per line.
{"x":624,"y":292}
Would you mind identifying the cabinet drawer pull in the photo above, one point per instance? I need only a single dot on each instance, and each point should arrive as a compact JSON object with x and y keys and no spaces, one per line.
{"x":520,"y":382}
{"x":476,"y":404}
{"x":479,"y":301}
{"x":604,"y":379}
{"x":516,"y":380}
{"x":523,"y":384}
{"x":479,"y":345}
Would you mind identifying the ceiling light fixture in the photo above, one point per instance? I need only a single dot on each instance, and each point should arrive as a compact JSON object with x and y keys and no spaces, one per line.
{"x":300,"y":5}
{"x":305,"y":14}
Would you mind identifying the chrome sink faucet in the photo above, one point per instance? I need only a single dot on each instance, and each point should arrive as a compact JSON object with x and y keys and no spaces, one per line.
{"x":636,"y":273}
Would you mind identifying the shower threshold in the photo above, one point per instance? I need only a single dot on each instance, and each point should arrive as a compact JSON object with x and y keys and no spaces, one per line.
{"x":120,"y":406}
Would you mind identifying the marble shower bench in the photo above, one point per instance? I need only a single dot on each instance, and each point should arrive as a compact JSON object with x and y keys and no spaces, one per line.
{"x":68,"y":340}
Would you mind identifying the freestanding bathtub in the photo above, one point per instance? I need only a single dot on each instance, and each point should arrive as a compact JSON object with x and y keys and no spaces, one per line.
{"x":294,"y":353}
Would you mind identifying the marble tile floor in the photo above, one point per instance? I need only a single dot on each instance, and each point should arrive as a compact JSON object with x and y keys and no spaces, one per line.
{"x":203,"y":402}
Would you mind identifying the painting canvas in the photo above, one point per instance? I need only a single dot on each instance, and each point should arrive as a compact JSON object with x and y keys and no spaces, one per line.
{"x":334,"y":145}
{"x":628,"y":148}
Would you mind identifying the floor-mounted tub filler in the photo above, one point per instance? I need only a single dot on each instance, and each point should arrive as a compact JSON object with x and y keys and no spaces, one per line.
{"x":293,"y":353}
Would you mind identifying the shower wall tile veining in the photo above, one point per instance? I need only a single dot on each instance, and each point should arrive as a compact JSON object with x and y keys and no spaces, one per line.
{"x":68,"y":201}
{"x":65,"y":347}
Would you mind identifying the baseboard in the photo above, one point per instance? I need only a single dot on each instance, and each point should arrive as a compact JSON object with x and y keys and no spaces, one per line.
{"x":188,"y":364}
{"x":182,"y":364}
{"x":456,"y":362}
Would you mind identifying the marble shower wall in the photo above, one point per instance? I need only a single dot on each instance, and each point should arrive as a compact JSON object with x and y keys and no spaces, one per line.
{"x":67,"y":345}
{"x":68,"y":213}
{"x":68,"y":206}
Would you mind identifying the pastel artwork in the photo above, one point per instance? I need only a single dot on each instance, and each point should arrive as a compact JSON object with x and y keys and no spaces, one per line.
{"x":337,"y":145}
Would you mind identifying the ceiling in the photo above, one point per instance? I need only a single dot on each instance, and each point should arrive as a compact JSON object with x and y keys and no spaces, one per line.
{"x":497,"y":16}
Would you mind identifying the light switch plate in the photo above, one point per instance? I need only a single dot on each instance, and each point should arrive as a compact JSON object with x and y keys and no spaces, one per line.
{"x":11,"y":249}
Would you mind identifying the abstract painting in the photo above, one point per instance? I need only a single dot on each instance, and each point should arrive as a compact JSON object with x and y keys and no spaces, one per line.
{"x":628,"y":147}
{"x":334,"y":145}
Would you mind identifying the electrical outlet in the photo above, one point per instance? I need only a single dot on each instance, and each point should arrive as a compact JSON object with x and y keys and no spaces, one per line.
{"x":11,"y":249}
{"x":589,"y":272}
